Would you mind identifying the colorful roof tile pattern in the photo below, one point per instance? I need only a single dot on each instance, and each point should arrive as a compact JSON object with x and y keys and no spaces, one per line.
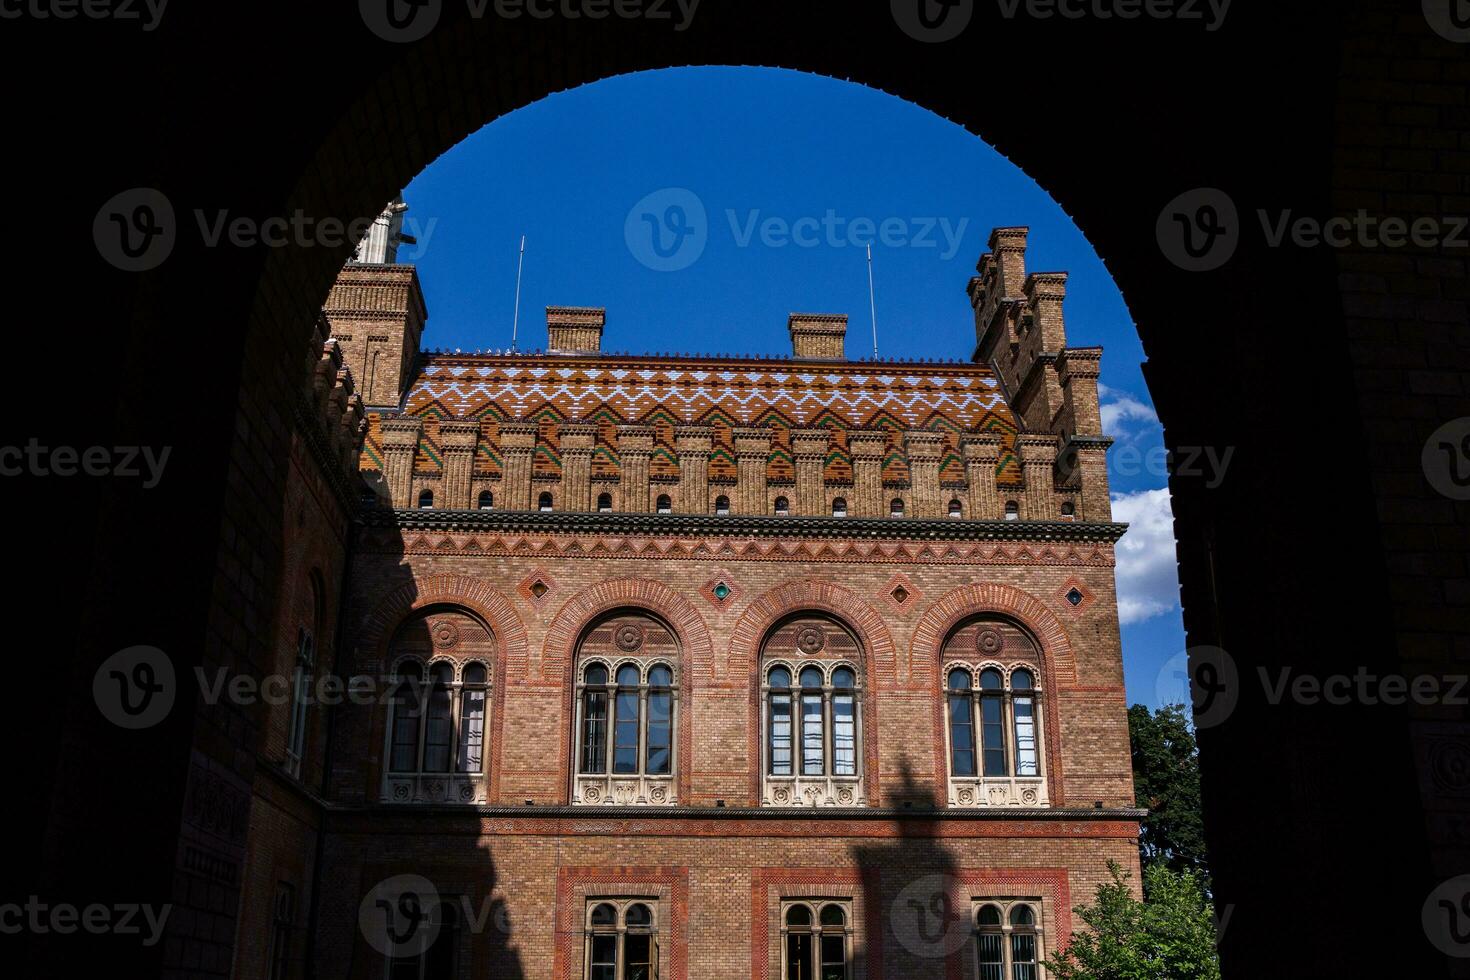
{"x":724,"y":394}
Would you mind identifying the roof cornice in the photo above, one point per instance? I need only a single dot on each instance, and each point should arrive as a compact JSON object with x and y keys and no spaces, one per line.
{"x":901,"y":529}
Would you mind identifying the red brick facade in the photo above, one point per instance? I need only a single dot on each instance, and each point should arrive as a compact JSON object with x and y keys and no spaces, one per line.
{"x":718,"y":840}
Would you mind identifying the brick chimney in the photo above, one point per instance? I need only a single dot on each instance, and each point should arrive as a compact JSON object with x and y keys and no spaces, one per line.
{"x":817,"y":336}
{"x":574,"y":329}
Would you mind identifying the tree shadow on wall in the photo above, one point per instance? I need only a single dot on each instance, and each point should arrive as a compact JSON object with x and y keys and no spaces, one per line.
{"x":913,"y":899}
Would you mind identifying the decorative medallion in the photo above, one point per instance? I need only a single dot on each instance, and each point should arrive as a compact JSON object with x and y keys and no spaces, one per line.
{"x":1075,"y":595}
{"x":721,"y":590}
{"x":901,"y":594}
{"x":466,"y":792}
{"x":658,"y":795}
{"x":810,"y":640}
{"x":628,"y":637}
{"x":445,"y":633}
{"x":989,"y":642}
{"x":537,"y":586}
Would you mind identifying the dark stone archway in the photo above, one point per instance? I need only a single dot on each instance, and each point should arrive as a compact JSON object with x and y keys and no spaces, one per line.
{"x":1324,"y":370}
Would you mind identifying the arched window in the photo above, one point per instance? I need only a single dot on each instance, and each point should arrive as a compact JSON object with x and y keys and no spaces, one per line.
{"x":438,"y":961}
{"x":664,"y":505}
{"x":812,"y":714}
{"x":543,"y":503}
{"x":783,"y":507}
{"x":816,"y":940}
{"x":839,"y":507}
{"x":955,"y":510}
{"x":993,"y":712}
{"x":438,"y":708}
{"x":487,"y":500}
{"x":722,"y":504}
{"x":626,"y":712}
{"x":1069,"y":510}
{"x":1007,"y":939}
{"x":1013,"y":511}
{"x":895,"y":507}
{"x":604,"y":503}
{"x":621,"y":939}
{"x":426,"y":499}
{"x":301,"y":676}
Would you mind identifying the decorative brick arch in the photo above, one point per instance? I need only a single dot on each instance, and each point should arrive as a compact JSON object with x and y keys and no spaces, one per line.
{"x":474,"y":596}
{"x":1059,"y":664}
{"x":637,"y":594}
{"x":878,"y":655}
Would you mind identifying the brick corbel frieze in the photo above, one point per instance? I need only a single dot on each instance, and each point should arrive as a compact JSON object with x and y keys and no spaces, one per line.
{"x":1059,"y":662}
{"x":805,"y":596}
{"x":696,"y":653}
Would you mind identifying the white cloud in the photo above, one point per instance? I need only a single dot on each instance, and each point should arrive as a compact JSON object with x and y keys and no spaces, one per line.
{"x":1118,"y":407}
{"x":1148,"y":574}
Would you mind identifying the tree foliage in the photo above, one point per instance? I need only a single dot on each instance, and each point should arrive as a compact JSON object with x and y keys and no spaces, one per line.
{"x":1166,"y":782}
{"x":1171,"y":936}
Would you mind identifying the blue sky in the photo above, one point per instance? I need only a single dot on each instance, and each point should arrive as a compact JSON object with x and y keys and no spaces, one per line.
{"x":763,"y":187}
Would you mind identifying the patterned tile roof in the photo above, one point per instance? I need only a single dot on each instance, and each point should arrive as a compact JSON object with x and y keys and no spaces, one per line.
{"x":722,"y":393}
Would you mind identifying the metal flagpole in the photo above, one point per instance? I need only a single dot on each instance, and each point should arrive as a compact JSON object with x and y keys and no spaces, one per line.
{"x":516,"y":321}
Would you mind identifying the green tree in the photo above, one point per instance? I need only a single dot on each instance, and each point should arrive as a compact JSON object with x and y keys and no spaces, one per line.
{"x":1171,"y":936}
{"x":1166,"y":783}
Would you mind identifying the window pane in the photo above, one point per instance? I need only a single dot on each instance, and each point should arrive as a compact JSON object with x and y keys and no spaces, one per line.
{"x":989,"y":915}
{"x":959,"y":680}
{"x":842,"y":677}
{"x":1023,"y":956}
{"x":961,"y":736}
{"x":798,"y":915}
{"x":625,"y":732}
{"x":834,"y":958}
{"x":780,"y":735}
{"x":638,"y":915}
{"x":594,"y":731}
{"x":471,"y":730}
{"x":992,"y":736}
{"x":297,"y":738}
{"x":1021,"y":915}
{"x":604,"y":958}
{"x":637,"y":957}
{"x":844,"y":736}
{"x":1025,"y":738}
{"x":660,"y":676}
{"x":627,"y":676}
{"x":604,"y":915}
{"x":799,"y":957}
{"x":832,"y":915}
{"x":405,"y":730}
{"x":780,"y":677}
{"x":991,"y":964}
{"x":438,"y":731}
{"x":474,"y":674}
{"x":596,"y":674}
{"x":660,"y":732}
{"x":1021,"y":680}
{"x":811,"y":677}
{"x":811,"y":735}
{"x":990,"y":680}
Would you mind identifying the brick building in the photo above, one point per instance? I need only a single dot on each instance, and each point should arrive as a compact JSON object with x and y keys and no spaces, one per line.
{"x":695,"y":667}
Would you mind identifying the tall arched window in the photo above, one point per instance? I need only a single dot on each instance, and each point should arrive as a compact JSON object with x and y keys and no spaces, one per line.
{"x":487,"y":500}
{"x":438,"y":710}
{"x":955,"y":508}
{"x":664,"y":505}
{"x":816,"y":940}
{"x":301,"y":676}
{"x":783,"y":507}
{"x":604,"y":503}
{"x":543,"y":503}
{"x":621,"y":939}
{"x":993,"y":712}
{"x":839,"y":507}
{"x":426,"y":499}
{"x":627,"y":705}
{"x":722,"y":504}
{"x":811,"y":715}
{"x":895,"y":507}
{"x":1008,"y":940}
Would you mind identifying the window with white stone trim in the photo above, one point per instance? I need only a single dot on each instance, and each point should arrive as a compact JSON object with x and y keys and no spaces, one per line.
{"x":811,"y":714}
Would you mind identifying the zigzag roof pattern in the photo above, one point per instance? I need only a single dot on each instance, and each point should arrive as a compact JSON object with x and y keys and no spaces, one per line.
{"x":967,"y":397}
